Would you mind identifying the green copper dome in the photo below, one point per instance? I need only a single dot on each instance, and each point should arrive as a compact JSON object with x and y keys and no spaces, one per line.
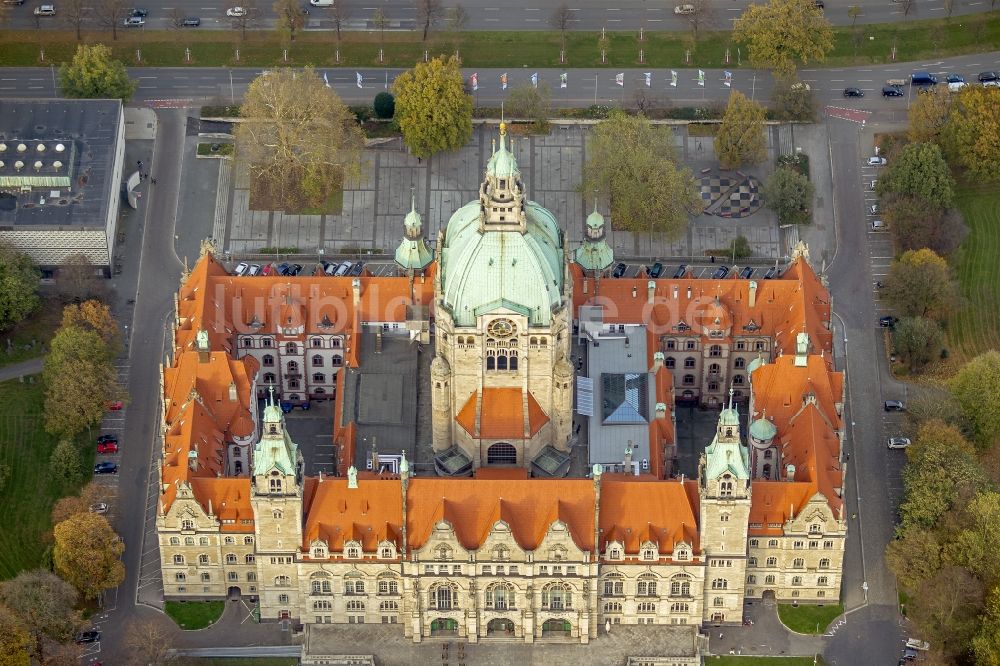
{"x":763,"y":430}
{"x":753,"y":365}
{"x":594,"y":254}
{"x":502,"y":164}
{"x":413,"y":253}
{"x":483,"y":270}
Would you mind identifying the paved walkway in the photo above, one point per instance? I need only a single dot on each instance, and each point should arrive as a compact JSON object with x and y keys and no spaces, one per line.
{"x":30,"y":367}
{"x":766,"y":636}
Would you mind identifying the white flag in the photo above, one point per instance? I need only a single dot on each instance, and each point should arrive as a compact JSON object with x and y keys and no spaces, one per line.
{"x":701,"y":78}
{"x":326,"y":80}
{"x":620,"y":78}
{"x":673,"y":78}
{"x":649,"y":79}
{"x":562,"y":80}
{"x":534,"y":80}
{"x":729,"y":80}
{"x":503,"y":81}
{"x":475,"y":81}
{"x":360,"y":79}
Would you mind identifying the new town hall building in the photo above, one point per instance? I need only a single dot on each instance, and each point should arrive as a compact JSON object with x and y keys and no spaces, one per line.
{"x":496,"y":541}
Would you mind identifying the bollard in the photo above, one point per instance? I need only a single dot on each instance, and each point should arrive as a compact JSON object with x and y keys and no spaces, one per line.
{"x":380,"y":55}
{"x":687,"y":56}
{"x":43,"y":55}
{"x":727,"y":56}
{"x":337,"y":53}
{"x":562,"y":57}
{"x":138,"y":55}
{"x":641,"y":56}
{"x":284,"y":54}
{"x":187,"y":55}
{"x":602,"y":55}
{"x":425,"y":56}
{"x":237,"y":55}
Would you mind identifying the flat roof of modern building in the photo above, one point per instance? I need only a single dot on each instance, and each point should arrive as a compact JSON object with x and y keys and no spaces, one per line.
{"x":57,"y":160}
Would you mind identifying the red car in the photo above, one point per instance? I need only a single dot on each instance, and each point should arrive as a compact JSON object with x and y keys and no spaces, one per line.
{"x":107,"y":447}
{"x":115,"y":405}
{"x":107,"y":438}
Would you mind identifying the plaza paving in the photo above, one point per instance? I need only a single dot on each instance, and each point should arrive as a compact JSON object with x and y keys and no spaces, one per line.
{"x":551,"y":166}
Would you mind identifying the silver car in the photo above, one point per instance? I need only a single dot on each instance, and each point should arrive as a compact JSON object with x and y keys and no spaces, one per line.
{"x":898,"y":442}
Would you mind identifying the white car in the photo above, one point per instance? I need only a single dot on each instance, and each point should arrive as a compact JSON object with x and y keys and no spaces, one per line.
{"x":236,"y":12}
{"x":254,"y":269}
{"x":685,"y":9}
{"x":873,"y":209}
{"x":99,"y":508}
{"x":898,"y":442}
{"x":917,"y":644}
{"x":45,"y":10}
{"x":241,"y":268}
{"x":956,"y":86}
{"x":878,"y":225}
{"x":876,"y":161}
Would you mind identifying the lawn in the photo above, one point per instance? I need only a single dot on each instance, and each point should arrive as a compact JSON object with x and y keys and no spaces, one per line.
{"x":248,"y":661}
{"x":976,"y":327}
{"x":869,"y":44}
{"x":808,"y":618}
{"x":30,"y":491}
{"x":195,"y":614}
{"x":763,"y":661}
{"x":30,"y":338}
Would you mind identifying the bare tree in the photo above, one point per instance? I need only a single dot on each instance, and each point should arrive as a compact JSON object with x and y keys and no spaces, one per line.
{"x":702,"y":17}
{"x":177,"y":16}
{"x":78,"y":280}
{"x":908,"y":6}
{"x":380,"y":20}
{"x":457,"y":18}
{"x":560,"y":19}
{"x":949,"y":7}
{"x":112,"y":13}
{"x":339,"y":16}
{"x":290,"y":17}
{"x":248,"y":17}
{"x":854,"y":11}
{"x":147,"y":643}
{"x":74,"y":13}
{"x":429,"y":12}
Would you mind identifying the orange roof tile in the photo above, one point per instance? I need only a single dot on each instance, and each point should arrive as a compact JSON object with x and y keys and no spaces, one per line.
{"x":501,"y":414}
{"x":502,"y":473}
{"x":636,"y":509}
{"x":772,"y":503}
{"x":370,"y":513}
{"x":228,"y":499}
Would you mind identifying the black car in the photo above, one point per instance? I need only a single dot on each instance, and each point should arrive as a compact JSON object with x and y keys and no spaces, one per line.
{"x":105,"y":468}
{"x":720,"y":272}
{"x":854,"y":92}
{"x":955,"y":78}
{"x":619,"y":270}
{"x":771,"y":273}
{"x":681,"y":270}
{"x":656,"y":271}
{"x":887,"y":321}
{"x":894,"y":406}
{"x":988,"y":76}
{"x":819,"y":4}
{"x":91,"y":636}
{"x":295,"y":269}
{"x":356,"y":269}
{"x":283,"y":269}
{"x":891,"y":91}
{"x":139,"y":12}
{"x":191,"y":22}
{"x":746,"y":273}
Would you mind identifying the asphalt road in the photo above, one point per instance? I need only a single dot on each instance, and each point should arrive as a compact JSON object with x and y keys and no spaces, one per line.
{"x":180,"y":86}
{"x":513,"y":15}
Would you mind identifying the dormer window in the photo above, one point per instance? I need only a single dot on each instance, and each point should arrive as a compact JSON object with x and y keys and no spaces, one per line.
{"x":682,"y":554}
{"x":352,"y":550}
{"x":387,"y":551}
{"x":319,"y":552}
{"x":649,"y":554}
{"x":187,"y":524}
{"x":615,"y":552}
{"x":503,"y":183}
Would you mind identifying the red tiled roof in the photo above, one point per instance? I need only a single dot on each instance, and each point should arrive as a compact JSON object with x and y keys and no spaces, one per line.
{"x":501,"y":414}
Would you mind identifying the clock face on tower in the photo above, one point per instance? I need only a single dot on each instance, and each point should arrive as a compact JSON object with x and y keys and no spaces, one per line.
{"x":501,"y":328}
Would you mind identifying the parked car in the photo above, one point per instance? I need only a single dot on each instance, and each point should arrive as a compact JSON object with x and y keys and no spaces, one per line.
{"x":13,"y":2}
{"x":254,"y":269}
{"x":909,"y":654}
{"x":955,"y":78}
{"x":134,"y":22}
{"x":343,"y":268}
{"x":356,"y":269}
{"x":91,"y":636}
{"x":887,"y":321}
{"x":105,"y":468}
{"x":241,"y":268}
{"x":191,"y":22}
{"x":330,"y":267}
{"x":681,"y":271}
{"x":916,"y":644}
{"x":115,"y":405}
{"x":895,"y":406}
{"x":956,"y":86}
{"x":619,"y":270}
{"x":685,"y":9}
{"x":891,"y":91}
{"x":898,"y":442}
{"x":107,"y":438}
{"x":139,"y":11}
{"x":656,"y":270}
{"x":879,"y":225}
{"x":295,"y":269}
{"x":283,"y":268}
{"x":771,"y":273}
{"x":746,"y":273}
{"x":268,"y":269}
{"x":876,"y":161}
{"x":45,"y":10}
{"x":720,"y":272}
{"x":854,"y":92}
{"x":107,"y":447}
{"x":873,"y":209}
{"x":236,"y":12}
{"x":819,"y":4}
{"x":984,"y":77}
{"x":100,"y":508}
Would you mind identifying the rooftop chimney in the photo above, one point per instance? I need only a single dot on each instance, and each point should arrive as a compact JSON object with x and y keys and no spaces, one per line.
{"x":650,"y":291}
{"x":753,"y":293}
{"x":232,"y":392}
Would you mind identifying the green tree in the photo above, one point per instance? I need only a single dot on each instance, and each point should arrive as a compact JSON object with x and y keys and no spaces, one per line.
{"x":19,"y":281}
{"x":535,"y":104}
{"x":86,"y":553}
{"x":971,"y":135}
{"x":80,"y":379}
{"x":95,"y":74}
{"x":976,"y":387}
{"x":942,"y":467}
{"x":384,"y":105}
{"x":792,"y":99}
{"x":783,"y":34}
{"x":45,"y":605}
{"x":918,"y":341}
{"x":946,"y":609}
{"x":917,"y":224}
{"x":290,"y":17}
{"x":298,"y":140}
{"x":789,"y":194}
{"x":65,"y":463}
{"x":14,"y":639}
{"x":740,"y":248}
{"x":96,"y":317}
{"x":919,"y":170}
{"x":986,"y":644}
{"x":928,"y":114}
{"x":740,"y":139}
{"x":432,"y":108}
{"x":4,"y":475}
{"x":914,"y":556}
{"x":977,"y":547}
{"x":920,"y":284}
{"x":635,"y":163}
{"x":854,"y":11}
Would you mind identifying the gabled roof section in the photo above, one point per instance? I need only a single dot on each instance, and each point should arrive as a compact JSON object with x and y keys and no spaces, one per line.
{"x":635,"y":510}
{"x":371,"y":513}
{"x":500,"y":413}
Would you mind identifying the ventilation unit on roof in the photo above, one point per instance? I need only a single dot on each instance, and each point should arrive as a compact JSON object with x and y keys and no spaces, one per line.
{"x":3,"y":147}
{"x":40,"y":147}
{"x":21,"y":147}
{"x":60,"y":148}
{"x":57,"y":165}
{"x":38,"y":165}
{"x":18,"y":165}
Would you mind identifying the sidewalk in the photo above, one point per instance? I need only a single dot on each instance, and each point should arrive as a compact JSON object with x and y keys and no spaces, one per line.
{"x":30,"y":367}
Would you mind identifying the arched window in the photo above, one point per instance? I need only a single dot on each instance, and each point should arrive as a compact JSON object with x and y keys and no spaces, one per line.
{"x":180,"y":577}
{"x":290,"y":348}
{"x":232,"y":559}
{"x":726,"y":486}
{"x":354,"y":585}
{"x":319,"y":377}
{"x":715,"y":351}
{"x":187,"y":524}
{"x":248,"y":540}
{"x":688,"y":380}
{"x":178,"y":559}
{"x":269,"y":378}
{"x":647,"y":607}
{"x":293,"y":367}
{"x":822,"y":580}
{"x":388,"y":606}
{"x":670,"y":362}
{"x":501,"y":363}
{"x":317,"y":342}
{"x":798,"y":563}
{"x":769,"y":580}
{"x":188,"y":541}
{"x":501,"y":453}
{"x":175,"y":541}
{"x":614,"y":585}
{"x":513,"y":361}
{"x":646,"y":586}
{"x":689,"y":362}
{"x":276,"y":514}
{"x":612,"y":607}
{"x":713,"y":386}
{"x":556,"y":596}
{"x":824,"y":563}
{"x":739,"y":362}
{"x":336,"y":360}
{"x":249,"y":559}
{"x":679,"y":608}
{"x":767,"y":470}
{"x":321,"y":586}
{"x":274,"y":485}
{"x":714,"y":368}
{"x":718,"y":602}
{"x":443,"y":596}
{"x":720,"y":584}
{"x":815,"y":528}
{"x":388,"y":585}
{"x":282,"y":581}
{"x":491,"y":362}
{"x":268,"y":361}
{"x":771,"y":562}
{"x":202,"y":541}
{"x":500,"y":596}
{"x":680,"y":586}
{"x":796,"y":580}
{"x":768,"y":454}
{"x":355,"y":605}
{"x":317,"y":361}
{"x":738,"y":380}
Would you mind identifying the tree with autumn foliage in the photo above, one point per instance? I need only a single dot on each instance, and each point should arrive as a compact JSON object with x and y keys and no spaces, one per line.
{"x":86,"y":554}
{"x":432,"y":108}
{"x":783,"y":34}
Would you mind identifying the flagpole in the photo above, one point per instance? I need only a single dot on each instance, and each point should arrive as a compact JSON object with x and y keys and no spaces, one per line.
{"x":595,"y":88}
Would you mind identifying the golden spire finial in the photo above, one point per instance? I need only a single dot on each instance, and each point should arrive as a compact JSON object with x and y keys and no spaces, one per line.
{"x":503,"y":128}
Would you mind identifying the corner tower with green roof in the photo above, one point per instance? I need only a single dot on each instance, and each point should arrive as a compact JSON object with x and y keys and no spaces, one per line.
{"x":503,"y":297}
{"x":595,"y":255}
{"x":413,"y":254}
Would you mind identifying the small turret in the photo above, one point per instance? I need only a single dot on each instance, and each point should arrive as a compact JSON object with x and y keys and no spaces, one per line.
{"x":413,"y":252}
{"x":595,"y":254}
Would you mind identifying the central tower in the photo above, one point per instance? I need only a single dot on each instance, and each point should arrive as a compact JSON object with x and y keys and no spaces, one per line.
{"x":501,"y":383}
